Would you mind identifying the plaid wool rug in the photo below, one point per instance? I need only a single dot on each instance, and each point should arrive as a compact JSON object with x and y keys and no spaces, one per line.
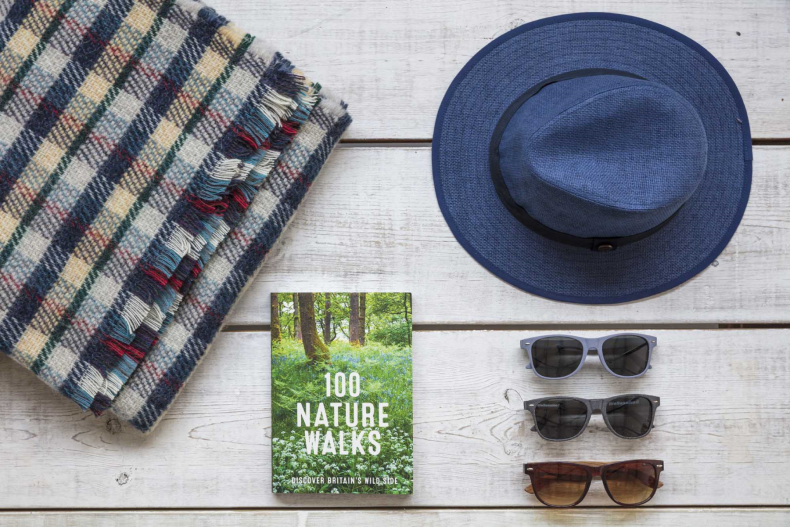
{"x":151,"y":153}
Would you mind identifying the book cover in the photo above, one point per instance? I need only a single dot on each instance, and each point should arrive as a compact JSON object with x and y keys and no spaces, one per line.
{"x":342,"y":393}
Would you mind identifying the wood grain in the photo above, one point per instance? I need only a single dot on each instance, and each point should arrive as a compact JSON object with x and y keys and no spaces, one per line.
{"x":702,"y":517}
{"x":372,"y":223}
{"x":393,"y":61}
{"x":722,"y":429}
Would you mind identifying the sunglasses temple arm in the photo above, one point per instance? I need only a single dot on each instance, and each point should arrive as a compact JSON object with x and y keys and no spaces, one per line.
{"x":529,"y":366}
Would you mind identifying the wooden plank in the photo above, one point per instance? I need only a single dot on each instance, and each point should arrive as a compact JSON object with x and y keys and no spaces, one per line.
{"x":702,"y":517}
{"x":393,"y":61}
{"x":722,"y":429}
{"x":372,"y":223}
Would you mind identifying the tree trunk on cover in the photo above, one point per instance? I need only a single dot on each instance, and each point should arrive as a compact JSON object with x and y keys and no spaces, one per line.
{"x":275,"y":318}
{"x":327,"y":318}
{"x":314,"y":348}
{"x":297,"y":324}
{"x":362,"y":318}
{"x":353,"y":322}
{"x":406,"y":314}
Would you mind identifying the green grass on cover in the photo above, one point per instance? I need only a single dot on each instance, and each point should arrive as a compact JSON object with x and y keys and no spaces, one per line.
{"x":385,"y":375}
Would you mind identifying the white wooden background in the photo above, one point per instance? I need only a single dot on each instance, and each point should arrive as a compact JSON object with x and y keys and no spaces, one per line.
{"x":372,"y":223}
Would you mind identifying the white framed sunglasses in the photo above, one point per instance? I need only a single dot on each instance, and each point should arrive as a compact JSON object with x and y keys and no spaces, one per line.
{"x":558,"y":356}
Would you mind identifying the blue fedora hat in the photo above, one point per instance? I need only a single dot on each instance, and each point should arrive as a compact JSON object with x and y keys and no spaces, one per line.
{"x":593,"y":158}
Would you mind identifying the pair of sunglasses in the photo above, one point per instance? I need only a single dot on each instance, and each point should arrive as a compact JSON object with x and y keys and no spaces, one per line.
{"x":628,"y":483}
{"x":564,"y":418}
{"x":560,"y":356}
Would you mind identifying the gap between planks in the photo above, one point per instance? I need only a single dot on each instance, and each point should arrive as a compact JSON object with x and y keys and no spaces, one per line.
{"x":252,"y":328}
{"x":316,"y":508}
{"x":426,"y":142}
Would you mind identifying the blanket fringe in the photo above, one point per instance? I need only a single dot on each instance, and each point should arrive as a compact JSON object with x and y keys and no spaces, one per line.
{"x":252,"y":153}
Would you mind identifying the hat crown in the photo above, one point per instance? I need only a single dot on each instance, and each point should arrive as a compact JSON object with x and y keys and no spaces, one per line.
{"x":603,"y":155}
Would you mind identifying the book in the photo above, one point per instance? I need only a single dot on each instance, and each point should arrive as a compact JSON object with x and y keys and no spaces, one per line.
{"x":342,"y":393}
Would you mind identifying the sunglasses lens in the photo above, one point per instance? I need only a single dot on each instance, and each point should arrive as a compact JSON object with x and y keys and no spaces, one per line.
{"x":630,"y":416}
{"x":559,"y":484}
{"x":631,"y":483}
{"x":626,"y":355}
{"x":560,"y":418}
{"x":556,"y":356}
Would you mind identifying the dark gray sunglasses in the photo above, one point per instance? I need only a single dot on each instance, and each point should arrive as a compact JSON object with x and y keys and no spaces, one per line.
{"x":560,"y":356}
{"x":562,"y":418}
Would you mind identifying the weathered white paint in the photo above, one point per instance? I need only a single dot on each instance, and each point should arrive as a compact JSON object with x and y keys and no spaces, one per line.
{"x":702,"y":517}
{"x":722,"y":429}
{"x":372,"y":223}
{"x":393,"y":61}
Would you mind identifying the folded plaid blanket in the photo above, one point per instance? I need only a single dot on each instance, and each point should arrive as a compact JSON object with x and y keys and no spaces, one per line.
{"x":151,"y":153}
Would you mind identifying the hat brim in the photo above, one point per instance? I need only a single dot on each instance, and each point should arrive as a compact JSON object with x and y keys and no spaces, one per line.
{"x":523,"y":57}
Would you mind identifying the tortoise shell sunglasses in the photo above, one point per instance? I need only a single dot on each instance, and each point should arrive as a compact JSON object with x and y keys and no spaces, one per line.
{"x":628,"y":483}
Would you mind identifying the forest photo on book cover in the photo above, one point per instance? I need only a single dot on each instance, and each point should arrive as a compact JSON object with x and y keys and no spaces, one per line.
{"x":342,"y":393}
